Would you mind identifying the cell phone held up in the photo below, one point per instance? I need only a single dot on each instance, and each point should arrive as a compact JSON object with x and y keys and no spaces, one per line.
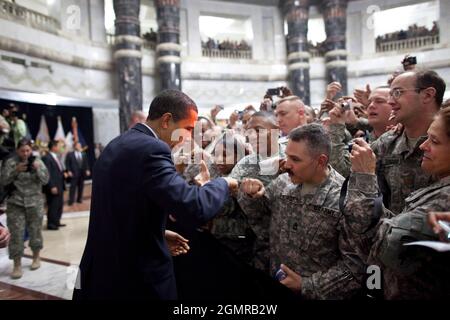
{"x":30,"y":162}
{"x":273,"y":92}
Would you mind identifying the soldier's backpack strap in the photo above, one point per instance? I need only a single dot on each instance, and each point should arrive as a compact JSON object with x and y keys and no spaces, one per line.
{"x":383,"y":185}
{"x":377,"y":206}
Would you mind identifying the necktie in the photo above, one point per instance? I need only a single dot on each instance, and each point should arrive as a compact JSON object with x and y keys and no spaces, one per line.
{"x":79,"y":159}
{"x":59,"y":163}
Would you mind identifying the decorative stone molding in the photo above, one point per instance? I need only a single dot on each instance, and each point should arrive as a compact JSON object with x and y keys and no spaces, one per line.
{"x":130,"y":39}
{"x":127,"y":53}
{"x":169,"y":46}
{"x":299,"y":55}
{"x":15,"y":45}
{"x":168,"y":59}
{"x":298,"y":65}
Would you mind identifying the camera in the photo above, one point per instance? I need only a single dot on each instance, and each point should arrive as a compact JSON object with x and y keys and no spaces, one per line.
{"x":409,"y":61}
{"x":280,"y":275}
{"x":30,"y":162}
{"x":273,"y":92}
{"x":346,"y":105}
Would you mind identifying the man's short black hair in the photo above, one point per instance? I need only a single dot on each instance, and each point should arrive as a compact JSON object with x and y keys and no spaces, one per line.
{"x":171,"y":101}
{"x":315,"y":136}
{"x":52,"y":143}
{"x":430,"y":78}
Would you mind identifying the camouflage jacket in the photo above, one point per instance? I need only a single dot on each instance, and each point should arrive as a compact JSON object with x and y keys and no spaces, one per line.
{"x":306,"y":235}
{"x":409,"y":272}
{"x":340,"y":155}
{"x":398,"y":168}
{"x":248,"y":167}
{"x":28,"y":185}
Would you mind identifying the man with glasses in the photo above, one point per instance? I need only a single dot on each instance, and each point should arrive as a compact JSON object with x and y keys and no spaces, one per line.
{"x":415,"y":98}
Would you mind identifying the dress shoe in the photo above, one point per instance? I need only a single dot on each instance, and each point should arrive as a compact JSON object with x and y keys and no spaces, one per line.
{"x":61,"y":225}
{"x":52,"y":228}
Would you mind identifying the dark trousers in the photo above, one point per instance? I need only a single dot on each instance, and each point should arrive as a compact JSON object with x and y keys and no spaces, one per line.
{"x":77,"y":183}
{"x":55,"y":208}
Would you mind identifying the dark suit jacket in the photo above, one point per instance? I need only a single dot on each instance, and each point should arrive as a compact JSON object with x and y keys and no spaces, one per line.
{"x":56,"y":175}
{"x":73,"y":166}
{"x":135,"y":187}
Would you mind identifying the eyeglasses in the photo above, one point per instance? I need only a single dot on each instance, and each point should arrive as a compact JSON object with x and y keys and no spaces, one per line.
{"x":396,"y":93}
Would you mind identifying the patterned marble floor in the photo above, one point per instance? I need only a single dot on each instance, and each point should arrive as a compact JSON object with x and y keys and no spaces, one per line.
{"x":61,"y":255}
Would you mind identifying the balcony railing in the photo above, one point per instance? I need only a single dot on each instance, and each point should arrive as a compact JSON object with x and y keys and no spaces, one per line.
{"x":227,"y":54}
{"x":407,"y":44}
{"x":110,"y":39}
{"x":12,"y":11}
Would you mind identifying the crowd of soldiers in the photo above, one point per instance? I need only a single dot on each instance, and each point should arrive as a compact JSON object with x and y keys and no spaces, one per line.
{"x":329,"y":194}
{"x":413,"y":31}
{"x":226,"y":45}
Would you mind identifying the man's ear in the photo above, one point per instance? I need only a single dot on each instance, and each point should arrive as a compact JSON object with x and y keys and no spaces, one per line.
{"x":323,"y":160}
{"x":165,"y":120}
{"x":429,"y":94}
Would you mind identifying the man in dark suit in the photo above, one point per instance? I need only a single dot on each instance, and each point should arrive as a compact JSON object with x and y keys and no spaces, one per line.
{"x":54,"y":190}
{"x":77,"y":167}
{"x":135,"y":187}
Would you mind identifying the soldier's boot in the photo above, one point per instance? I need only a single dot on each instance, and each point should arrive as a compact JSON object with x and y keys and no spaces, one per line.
{"x":17,"y":270}
{"x":36,"y":264}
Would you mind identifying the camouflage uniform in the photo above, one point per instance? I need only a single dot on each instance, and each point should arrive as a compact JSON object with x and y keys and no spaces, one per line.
{"x":25,"y":206}
{"x":398,"y":165}
{"x":409,"y":272}
{"x":232,"y":229}
{"x":230,"y":226}
{"x":248,"y":167}
{"x":306,"y":235}
{"x":398,"y":168}
{"x":340,"y":155}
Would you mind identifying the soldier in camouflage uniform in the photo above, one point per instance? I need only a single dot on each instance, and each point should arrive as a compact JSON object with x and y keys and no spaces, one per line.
{"x":25,"y":205}
{"x":230,"y":226}
{"x":262,"y":165}
{"x":415,"y":98}
{"x":409,"y":272}
{"x":306,"y":236}
{"x":377,"y":123}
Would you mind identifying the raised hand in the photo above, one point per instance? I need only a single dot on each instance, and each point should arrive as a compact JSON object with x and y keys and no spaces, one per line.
{"x":204,"y":176}
{"x":362,"y":96}
{"x":362,"y":157}
{"x":332,"y":89}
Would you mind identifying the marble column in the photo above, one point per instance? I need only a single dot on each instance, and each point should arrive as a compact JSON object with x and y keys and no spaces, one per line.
{"x":128,"y":56}
{"x":168,"y":47}
{"x":296,"y":13}
{"x":335,"y":17}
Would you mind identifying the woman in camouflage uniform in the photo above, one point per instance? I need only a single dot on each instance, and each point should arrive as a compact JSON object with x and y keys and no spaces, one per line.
{"x":25,"y":175}
{"x":409,"y":272}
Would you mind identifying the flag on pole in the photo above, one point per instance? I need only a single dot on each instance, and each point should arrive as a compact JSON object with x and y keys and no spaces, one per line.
{"x":69,"y":141}
{"x":42,"y":137}
{"x":59,"y":135}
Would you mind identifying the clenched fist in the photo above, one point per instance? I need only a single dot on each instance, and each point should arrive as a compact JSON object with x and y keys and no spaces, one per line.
{"x":253,"y":187}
